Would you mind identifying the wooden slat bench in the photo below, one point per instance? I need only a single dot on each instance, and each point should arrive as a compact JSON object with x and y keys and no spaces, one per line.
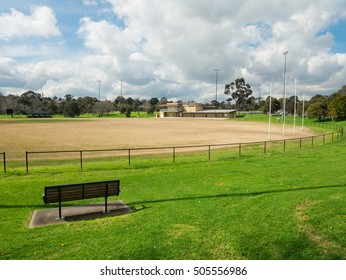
{"x":79,"y":191}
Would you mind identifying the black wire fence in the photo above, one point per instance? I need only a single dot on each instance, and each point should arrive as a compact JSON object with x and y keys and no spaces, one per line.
{"x":173,"y":152}
{"x":130,"y":154}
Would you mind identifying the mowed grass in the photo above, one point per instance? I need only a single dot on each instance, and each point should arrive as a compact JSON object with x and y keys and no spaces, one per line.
{"x":281,"y":205}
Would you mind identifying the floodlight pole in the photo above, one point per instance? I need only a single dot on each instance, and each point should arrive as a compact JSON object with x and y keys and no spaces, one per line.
{"x":216,"y":80}
{"x":284,"y":99}
{"x":295,"y":105}
{"x":270,"y":111}
{"x":121,"y":87}
{"x":99,"y":89}
{"x":303,"y":113}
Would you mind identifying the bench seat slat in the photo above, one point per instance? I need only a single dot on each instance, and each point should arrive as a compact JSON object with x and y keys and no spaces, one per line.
{"x":81,"y":191}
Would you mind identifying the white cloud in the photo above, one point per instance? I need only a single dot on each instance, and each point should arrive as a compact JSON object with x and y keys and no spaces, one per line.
{"x":41,"y":22}
{"x":10,"y":74}
{"x":164,"y":45}
{"x":238,"y":37}
{"x":323,"y":63}
{"x":90,"y":2}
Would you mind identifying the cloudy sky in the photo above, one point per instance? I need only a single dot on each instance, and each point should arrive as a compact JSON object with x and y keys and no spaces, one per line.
{"x":171,"y":48}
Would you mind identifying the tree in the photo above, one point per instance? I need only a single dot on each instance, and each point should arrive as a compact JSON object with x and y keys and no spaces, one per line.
{"x":275,"y":105}
{"x":68,"y":97}
{"x":215,"y":103}
{"x":317,"y":110}
{"x":342,"y":91}
{"x":163,"y":100}
{"x":129,"y":101}
{"x":86,"y":104}
{"x":51,"y":106}
{"x":103,"y":107}
{"x":154,"y":101}
{"x":2,"y":104}
{"x":238,"y":91}
{"x":146,"y":107}
{"x":120,"y":104}
{"x":318,"y":98}
{"x":71,"y":109}
{"x":136,"y":104}
{"x":30,"y":101}
{"x":122,"y":108}
{"x":119,"y":99}
{"x":290,"y":102}
{"x":337,"y":108}
{"x":128,"y":111}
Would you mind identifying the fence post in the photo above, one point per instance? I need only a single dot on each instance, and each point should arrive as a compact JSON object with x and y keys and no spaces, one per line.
{"x":265,"y":147}
{"x":300,"y":143}
{"x":173,"y":154}
{"x":129,"y":157}
{"x":209,"y":154}
{"x":4,"y":162}
{"x":285,"y":145}
{"x":26,"y":161}
{"x":239,"y":149}
{"x":81,"y":160}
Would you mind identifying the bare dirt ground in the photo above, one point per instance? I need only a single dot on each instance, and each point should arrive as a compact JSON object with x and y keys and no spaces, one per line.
{"x":18,"y":136}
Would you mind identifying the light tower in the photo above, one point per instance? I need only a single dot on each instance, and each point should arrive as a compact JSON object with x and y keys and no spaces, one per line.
{"x":284,"y":99}
{"x":216,"y":79}
{"x":99,"y":89}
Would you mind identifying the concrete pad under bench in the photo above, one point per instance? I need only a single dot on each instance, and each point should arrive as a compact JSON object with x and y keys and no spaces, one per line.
{"x":78,"y":213}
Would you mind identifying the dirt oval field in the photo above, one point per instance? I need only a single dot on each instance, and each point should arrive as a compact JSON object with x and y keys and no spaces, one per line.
{"x":18,"y":136}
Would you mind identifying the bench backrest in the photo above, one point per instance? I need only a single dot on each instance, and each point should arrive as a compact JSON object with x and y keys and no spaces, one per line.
{"x":81,"y":191}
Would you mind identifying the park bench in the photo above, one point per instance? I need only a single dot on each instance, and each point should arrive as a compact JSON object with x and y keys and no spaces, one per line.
{"x":39,"y":115}
{"x":79,"y":191}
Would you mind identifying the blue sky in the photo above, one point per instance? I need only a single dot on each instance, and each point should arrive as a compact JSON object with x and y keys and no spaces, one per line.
{"x":339,"y":32}
{"x":170,"y":48}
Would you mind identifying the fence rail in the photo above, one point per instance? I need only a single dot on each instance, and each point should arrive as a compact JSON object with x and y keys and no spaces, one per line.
{"x":128,"y":152}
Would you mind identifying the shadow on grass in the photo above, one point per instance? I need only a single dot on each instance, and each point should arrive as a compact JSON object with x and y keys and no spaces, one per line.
{"x":142,"y":202}
{"x":236,"y":194}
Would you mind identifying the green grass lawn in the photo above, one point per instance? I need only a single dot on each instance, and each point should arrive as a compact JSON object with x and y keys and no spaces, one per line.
{"x":282,"y":205}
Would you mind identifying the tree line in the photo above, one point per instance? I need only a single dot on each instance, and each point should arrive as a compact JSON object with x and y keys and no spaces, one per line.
{"x":240,"y":97}
{"x":320,"y":107}
{"x":31,"y":102}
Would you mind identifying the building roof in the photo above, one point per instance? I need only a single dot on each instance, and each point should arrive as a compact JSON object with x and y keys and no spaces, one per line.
{"x":192,"y":104}
{"x":171,"y":105}
{"x":216,"y":111}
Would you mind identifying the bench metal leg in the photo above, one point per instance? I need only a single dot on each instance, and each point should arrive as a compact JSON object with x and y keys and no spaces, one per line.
{"x":60,"y":216}
{"x":106,"y":206}
{"x":106,"y":197}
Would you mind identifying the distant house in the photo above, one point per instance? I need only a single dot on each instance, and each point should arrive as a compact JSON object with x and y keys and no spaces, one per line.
{"x":216,"y":113}
{"x":192,"y":107}
{"x":171,"y":110}
{"x":193,"y":110}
